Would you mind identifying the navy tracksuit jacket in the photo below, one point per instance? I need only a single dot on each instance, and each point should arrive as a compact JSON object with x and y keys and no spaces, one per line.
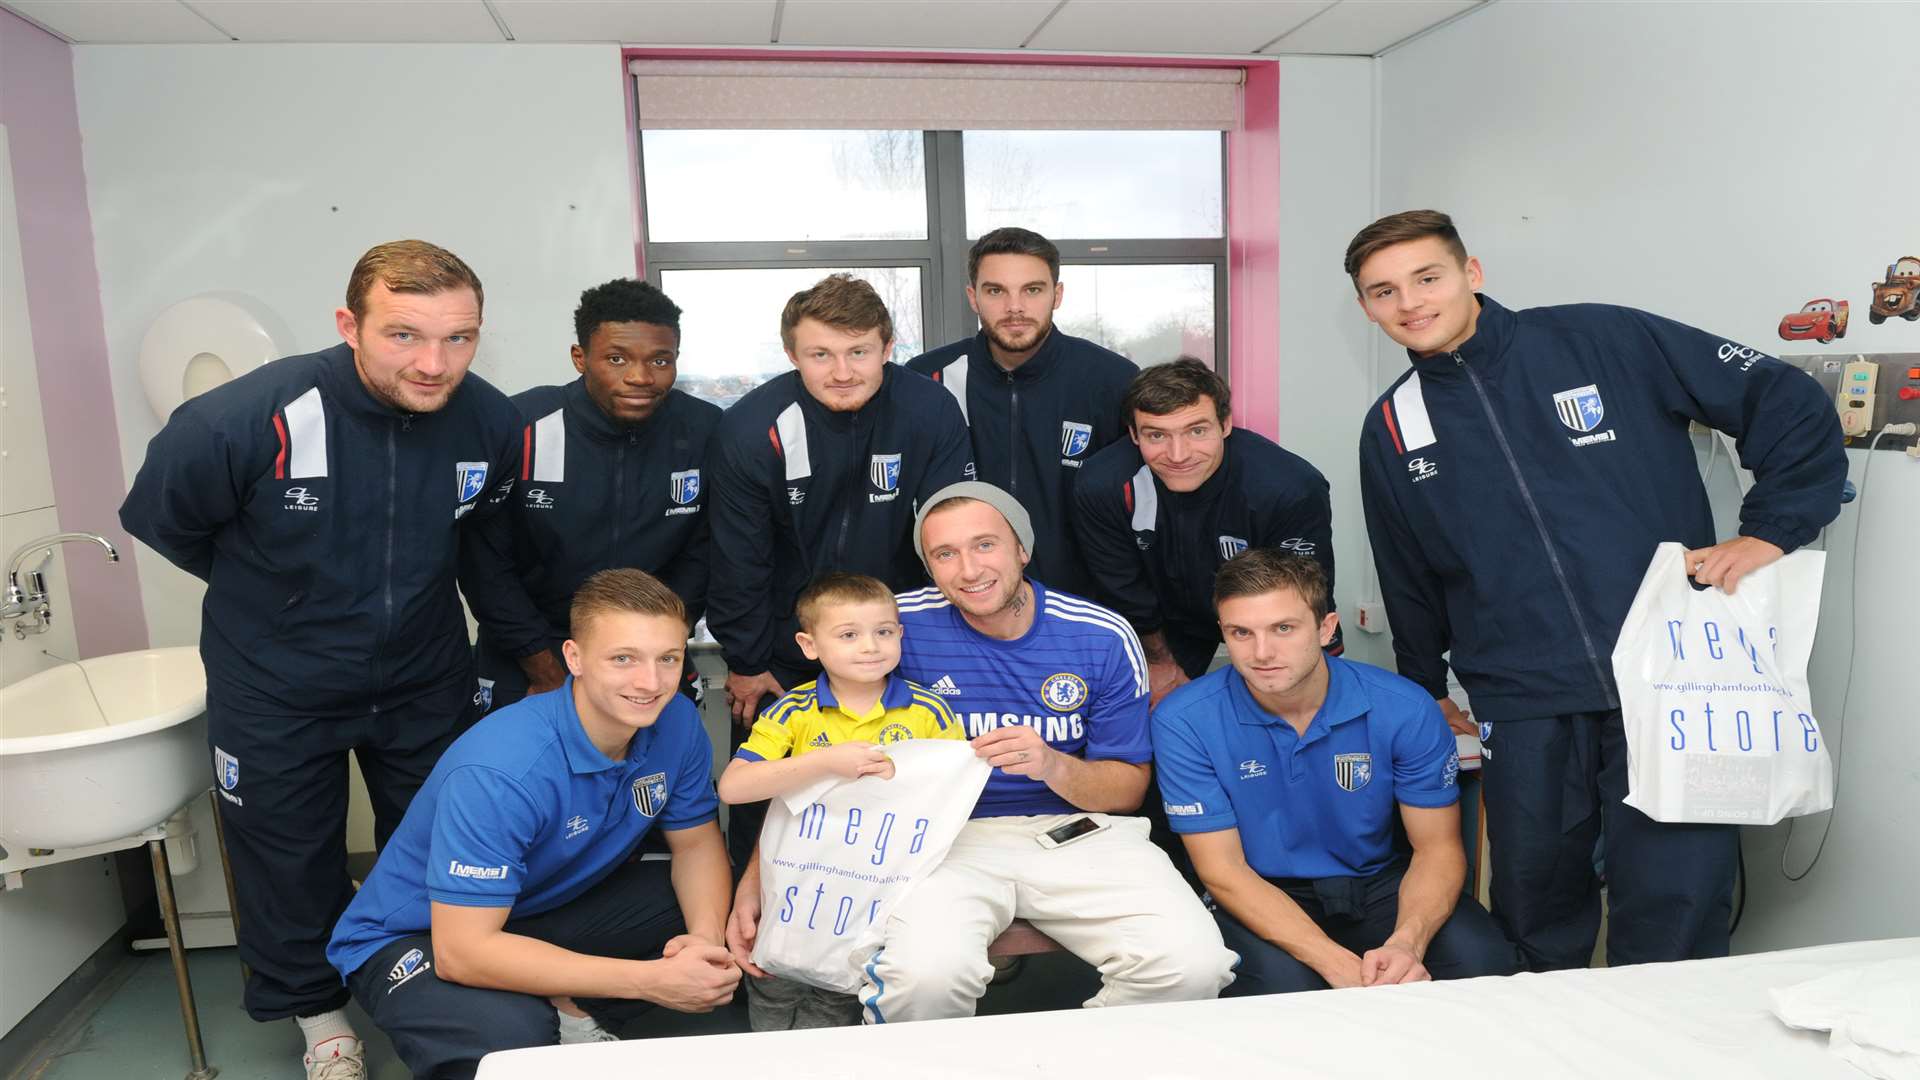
{"x":1515,"y":490}
{"x":799,"y":490}
{"x":1154,"y":552}
{"x":594,"y":494}
{"x":326,"y":525}
{"x":1034,"y":428}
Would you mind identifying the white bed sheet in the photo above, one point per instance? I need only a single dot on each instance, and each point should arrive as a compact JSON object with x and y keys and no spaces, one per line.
{"x":1702,"y":1018}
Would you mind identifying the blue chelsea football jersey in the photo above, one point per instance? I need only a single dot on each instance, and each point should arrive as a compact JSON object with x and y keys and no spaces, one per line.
{"x":1078,"y":676}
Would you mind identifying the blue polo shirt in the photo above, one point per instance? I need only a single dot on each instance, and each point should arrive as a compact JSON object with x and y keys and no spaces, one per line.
{"x":1312,"y":806}
{"x":523,"y":811}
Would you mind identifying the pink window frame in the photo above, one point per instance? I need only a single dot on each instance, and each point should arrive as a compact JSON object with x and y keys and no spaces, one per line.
{"x":1253,"y":198}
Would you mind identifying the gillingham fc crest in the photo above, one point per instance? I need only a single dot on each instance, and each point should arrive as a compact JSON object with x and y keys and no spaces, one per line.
{"x":1074,"y":438}
{"x":1063,"y":692}
{"x":1580,"y":408}
{"x":884,"y":471}
{"x":473,"y":479}
{"x":650,"y":793}
{"x":1352,"y":771}
{"x":686,"y":486}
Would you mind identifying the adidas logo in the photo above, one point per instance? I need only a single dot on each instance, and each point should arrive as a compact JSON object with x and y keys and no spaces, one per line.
{"x":944,"y":686}
{"x":820,"y":741}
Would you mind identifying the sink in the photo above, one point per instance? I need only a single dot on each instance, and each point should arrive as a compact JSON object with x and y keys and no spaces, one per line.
{"x":101,"y":749}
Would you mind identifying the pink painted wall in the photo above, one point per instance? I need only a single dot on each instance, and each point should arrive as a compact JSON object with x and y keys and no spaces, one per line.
{"x":1253,"y":253}
{"x":1253,"y":198}
{"x":69,"y":338}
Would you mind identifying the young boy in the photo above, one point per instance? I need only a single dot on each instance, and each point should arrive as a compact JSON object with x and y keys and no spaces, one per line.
{"x":834,"y":726}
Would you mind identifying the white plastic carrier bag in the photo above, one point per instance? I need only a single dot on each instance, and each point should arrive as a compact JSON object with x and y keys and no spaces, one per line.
{"x":1713,"y":694}
{"x":836,"y":857}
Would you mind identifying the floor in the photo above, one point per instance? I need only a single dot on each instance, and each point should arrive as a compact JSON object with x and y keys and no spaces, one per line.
{"x":132,"y":1029}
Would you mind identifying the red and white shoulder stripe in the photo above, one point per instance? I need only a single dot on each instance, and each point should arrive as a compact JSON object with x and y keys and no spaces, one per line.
{"x":543,"y":449}
{"x":1406,"y":416}
{"x":301,"y":426}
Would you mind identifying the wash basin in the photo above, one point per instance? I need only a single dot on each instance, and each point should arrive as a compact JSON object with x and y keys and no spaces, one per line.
{"x":101,"y":749}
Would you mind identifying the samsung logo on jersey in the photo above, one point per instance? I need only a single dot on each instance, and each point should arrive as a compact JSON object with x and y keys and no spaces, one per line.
{"x":1051,"y":728}
{"x":479,"y":873}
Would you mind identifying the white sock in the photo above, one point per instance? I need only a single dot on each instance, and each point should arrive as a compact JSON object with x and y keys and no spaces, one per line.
{"x":326,"y":1026}
{"x":579,"y":1029}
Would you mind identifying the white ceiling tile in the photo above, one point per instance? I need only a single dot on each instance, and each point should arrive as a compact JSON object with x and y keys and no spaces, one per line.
{"x":1172,"y":26}
{"x":352,"y":20}
{"x":980,"y":24}
{"x":119,"y":21}
{"x":640,"y":22}
{"x":1364,"y":27}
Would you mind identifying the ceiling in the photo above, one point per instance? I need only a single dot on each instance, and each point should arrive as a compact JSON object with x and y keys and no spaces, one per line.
{"x":1212,"y":27}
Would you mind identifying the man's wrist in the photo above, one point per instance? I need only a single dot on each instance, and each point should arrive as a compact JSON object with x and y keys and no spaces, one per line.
{"x":1329,"y":960}
{"x":1409,"y":938}
{"x":642,"y":980}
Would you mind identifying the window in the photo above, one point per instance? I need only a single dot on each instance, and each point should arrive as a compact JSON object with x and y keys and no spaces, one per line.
{"x":784,"y":185}
{"x":1144,"y":184}
{"x":737,"y":220}
{"x":1149,"y":313}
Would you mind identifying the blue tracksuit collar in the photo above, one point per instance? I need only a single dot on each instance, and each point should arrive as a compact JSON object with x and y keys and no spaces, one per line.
{"x":590,"y":418}
{"x":866,"y":416}
{"x":1209,"y":490}
{"x":341,"y":380}
{"x":582,"y":756}
{"x":1492,"y":333}
{"x":896,"y":695}
{"x":1037,"y":366}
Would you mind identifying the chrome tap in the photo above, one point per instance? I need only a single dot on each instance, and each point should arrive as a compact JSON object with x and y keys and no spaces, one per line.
{"x":29,"y":605}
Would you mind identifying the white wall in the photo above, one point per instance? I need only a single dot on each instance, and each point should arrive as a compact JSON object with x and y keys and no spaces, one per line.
{"x":1722,"y":164}
{"x":1325,"y":379}
{"x":268,"y":169}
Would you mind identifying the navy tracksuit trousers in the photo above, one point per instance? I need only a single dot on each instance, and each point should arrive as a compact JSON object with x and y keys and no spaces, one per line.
{"x":442,"y":1029}
{"x":282,"y":787}
{"x":1554,"y":790}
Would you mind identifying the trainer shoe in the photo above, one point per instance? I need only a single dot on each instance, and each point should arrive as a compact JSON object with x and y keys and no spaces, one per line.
{"x":339,"y":1058}
{"x":593,"y":1034}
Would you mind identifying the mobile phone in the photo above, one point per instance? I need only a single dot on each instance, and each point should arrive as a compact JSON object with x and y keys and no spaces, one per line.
{"x":1062,"y":835}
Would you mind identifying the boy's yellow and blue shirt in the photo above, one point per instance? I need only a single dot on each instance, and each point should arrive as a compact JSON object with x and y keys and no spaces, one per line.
{"x":808,"y":718}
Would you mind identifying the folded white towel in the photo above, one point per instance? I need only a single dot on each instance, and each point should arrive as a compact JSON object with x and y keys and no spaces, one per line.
{"x":1871,"y":1011}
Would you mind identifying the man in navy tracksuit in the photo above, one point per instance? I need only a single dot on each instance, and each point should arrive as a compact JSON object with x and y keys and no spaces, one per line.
{"x":320,"y":498}
{"x":819,"y":469}
{"x":611,"y":476}
{"x":1516,"y":482}
{"x":1158,"y":513}
{"x":1039,"y":402}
